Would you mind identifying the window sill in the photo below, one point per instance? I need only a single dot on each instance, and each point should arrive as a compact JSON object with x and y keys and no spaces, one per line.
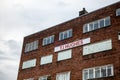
{"x":104,"y":78}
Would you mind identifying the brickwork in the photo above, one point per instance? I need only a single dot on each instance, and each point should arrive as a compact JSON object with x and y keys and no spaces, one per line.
{"x":78,"y":62}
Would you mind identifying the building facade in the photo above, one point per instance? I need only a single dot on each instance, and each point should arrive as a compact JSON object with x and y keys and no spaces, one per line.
{"x":84,"y":48}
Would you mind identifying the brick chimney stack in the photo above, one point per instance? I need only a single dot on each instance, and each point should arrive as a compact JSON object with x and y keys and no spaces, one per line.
{"x":82,"y":12}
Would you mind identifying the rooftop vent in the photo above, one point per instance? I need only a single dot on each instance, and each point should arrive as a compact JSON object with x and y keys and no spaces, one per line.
{"x":82,"y":12}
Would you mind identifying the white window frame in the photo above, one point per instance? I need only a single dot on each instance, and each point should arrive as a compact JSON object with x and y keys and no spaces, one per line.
{"x":100,"y":67}
{"x":118,"y":11}
{"x":64,"y":56}
{"x":65,"y":34}
{"x":31,"y":46}
{"x":50,"y":38}
{"x":29,"y":64}
{"x":44,"y":58}
{"x":118,"y":35}
{"x":91,"y":48}
{"x":43,"y":77}
{"x":63,"y":74}
{"x":86,"y":27}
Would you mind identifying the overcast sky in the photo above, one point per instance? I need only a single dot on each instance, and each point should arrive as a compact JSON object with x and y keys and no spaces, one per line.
{"x":19,"y":18}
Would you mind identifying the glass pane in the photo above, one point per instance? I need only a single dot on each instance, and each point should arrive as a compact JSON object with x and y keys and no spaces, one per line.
{"x":70,"y":33}
{"x":61,"y":36}
{"x":102,"y":23}
{"x":29,"y":46}
{"x":85,"y":28}
{"x":96,"y":25}
{"x":91,"y":73}
{"x":52,"y":39}
{"x":91,"y":27}
{"x":48,"y":40}
{"x":64,"y":55}
{"x":63,"y":76}
{"x":85,"y":74}
{"x":65,"y":35}
{"x":26,"y":48}
{"x":109,"y":70}
{"x":118,"y":12}
{"x":46,"y":59}
{"x":44,"y":41}
{"x":107,"y":21}
{"x":97,"y":72}
{"x":103,"y":72}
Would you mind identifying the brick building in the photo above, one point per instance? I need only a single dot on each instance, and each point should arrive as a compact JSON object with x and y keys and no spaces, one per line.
{"x":84,"y":48}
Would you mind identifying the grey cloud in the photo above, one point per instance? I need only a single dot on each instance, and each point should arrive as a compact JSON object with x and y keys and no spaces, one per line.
{"x":1,"y":75}
{"x":1,"y":52}
{"x":6,"y":58}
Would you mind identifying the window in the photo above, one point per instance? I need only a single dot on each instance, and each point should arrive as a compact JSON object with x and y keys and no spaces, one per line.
{"x":29,"y":64}
{"x":119,"y":36}
{"x":63,"y":76}
{"x":31,"y":46}
{"x":64,"y":55}
{"x":47,"y":77}
{"x":66,"y":34}
{"x":98,"y":72}
{"x":118,"y":12}
{"x":48,"y":40}
{"x":29,"y":79}
{"x":97,"y":47}
{"x":46,"y":59}
{"x":96,"y":24}
{"x":102,"y":23}
{"x":107,"y":21}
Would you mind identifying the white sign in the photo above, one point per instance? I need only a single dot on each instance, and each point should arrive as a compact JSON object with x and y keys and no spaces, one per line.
{"x":72,"y":44}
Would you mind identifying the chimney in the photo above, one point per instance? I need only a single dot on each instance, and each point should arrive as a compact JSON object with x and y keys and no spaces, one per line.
{"x":82,"y":12}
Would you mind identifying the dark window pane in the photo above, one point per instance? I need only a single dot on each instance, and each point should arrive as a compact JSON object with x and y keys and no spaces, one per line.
{"x":91,"y":73}
{"x":70,"y":33}
{"x":102,"y":23}
{"x":109,"y":71}
{"x":107,"y":21}
{"x":91,"y":27}
{"x":96,"y":25}
{"x":85,"y":28}
{"x":52,"y":39}
{"x":103,"y":72}
{"x":97,"y":72}
{"x":65,"y":35}
{"x":48,"y":40}
{"x":61,"y":36}
{"x":44,"y":41}
{"x":118,"y":12}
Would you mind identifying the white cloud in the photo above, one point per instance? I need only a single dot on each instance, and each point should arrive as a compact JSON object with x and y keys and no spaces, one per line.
{"x":19,"y":18}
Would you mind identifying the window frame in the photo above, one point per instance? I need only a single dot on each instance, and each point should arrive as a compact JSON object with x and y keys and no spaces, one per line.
{"x":47,"y":56}
{"x":64,"y":58}
{"x":91,"y":46}
{"x":94,"y":72}
{"x":118,"y":11}
{"x":68,"y":74}
{"x":118,"y":35}
{"x":48,"y":40}
{"x":31,"y":46}
{"x":65,"y":34}
{"x":26,"y":64}
{"x":87,"y":27}
{"x":44,"y":77}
